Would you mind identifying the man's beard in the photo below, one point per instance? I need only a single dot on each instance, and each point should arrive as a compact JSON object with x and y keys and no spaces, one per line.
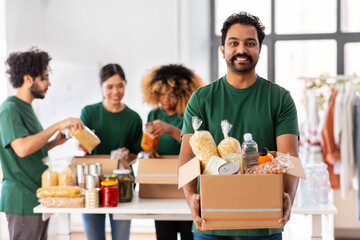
{"x":36,"y":91}
{"x":242,"y":68}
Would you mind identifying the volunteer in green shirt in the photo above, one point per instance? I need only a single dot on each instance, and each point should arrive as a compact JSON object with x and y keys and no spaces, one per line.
{"x":24,"y":143}
{"x":119,"y":128}
{"x":253,"y":105}
{"x":168,"y":88}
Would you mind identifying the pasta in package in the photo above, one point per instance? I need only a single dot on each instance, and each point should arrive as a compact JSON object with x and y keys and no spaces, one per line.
{"x":279,"y":165}
{"x":202,"y":143}
{"x":229,"y":148}
{"x":63,"y":202}
{"x":86,"y":137}
{"x":58,"y":173}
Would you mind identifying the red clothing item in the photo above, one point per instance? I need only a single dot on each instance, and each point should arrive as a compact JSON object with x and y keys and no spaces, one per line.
{"x":330,"y":151}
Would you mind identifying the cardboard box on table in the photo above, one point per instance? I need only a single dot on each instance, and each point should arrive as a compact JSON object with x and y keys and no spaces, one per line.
{"x":107,"y":164}
{"x":243,"y":201}
{"x":158,"y":178}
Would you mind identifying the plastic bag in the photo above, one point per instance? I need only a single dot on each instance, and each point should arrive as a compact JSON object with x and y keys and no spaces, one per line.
{"x":58,"y":173}
{"x":279,"y":165}
{"x":202,"y":143}
{"x":58,"y":192}
{"x":229,"y":148}
{"x":62,"y":202}
{"x":86,"y":137}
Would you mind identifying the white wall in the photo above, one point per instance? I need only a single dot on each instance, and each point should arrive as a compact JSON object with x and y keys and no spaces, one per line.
{"x":83,"y":35}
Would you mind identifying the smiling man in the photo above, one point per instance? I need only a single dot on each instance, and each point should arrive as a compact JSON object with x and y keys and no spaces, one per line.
{"x":253,"y":105}
{"x":24,"y":143}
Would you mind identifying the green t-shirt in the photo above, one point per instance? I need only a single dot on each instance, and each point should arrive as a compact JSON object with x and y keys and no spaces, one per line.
{"x":115,"y":130}
{"x":22,"y":176}
{"x":167,"y":144}
{"x":264,"y":109}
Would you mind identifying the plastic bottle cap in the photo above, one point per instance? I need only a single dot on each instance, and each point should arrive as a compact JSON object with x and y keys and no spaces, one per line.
{"x":247,"y":137}
{"x":121,"y":171}
{"x":110,"y":176}
{"x":263,"y":151}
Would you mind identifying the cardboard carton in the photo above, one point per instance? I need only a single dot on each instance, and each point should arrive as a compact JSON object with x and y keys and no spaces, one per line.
{"x":243,"y":201}
{"x":107,"y":164}
{"x":158,"y":178}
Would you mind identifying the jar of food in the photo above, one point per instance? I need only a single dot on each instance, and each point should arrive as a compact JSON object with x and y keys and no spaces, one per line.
{"x":264,"y":156}
{"x":149,"y":143}
{"x":109,"y":190}
{"x":126,"y":185}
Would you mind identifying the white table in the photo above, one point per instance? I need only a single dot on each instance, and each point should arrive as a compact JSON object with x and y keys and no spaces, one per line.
{"x":161,"y":209}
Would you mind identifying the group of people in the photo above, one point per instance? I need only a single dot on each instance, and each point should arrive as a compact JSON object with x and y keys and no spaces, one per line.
{"x":177,"y":93}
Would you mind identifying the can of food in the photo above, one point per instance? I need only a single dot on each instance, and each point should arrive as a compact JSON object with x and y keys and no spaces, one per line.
{"x":92,"y":181}
{"x":80,"y":175}
{"x":92,"y":198}
{"x":86,"y":168}
{"x":229,"y":168}
{"x":95,"y":169}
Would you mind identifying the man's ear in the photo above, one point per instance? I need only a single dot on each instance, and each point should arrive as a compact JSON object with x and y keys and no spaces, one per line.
{"x":28,"y":80}
{"x":222,"y":50}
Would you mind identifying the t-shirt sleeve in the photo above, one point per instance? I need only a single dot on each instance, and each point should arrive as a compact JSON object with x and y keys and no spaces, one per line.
{"x":287,"y":122}
{"x":11,"y":126}
{"x":192,"y":109}
{"x":151,"y":116}
{"x":85,"y":117}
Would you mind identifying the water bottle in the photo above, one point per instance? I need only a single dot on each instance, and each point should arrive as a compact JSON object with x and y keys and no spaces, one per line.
{"x":250,"y":151}
{"x":323,"y":183}
{"x":308,"y":190}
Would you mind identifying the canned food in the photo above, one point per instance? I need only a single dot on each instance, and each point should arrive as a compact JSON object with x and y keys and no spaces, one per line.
{"x":80,"y":175}
{"x":229,"y":168}
{"x":92,"y":181}
{"x":95,"y":169}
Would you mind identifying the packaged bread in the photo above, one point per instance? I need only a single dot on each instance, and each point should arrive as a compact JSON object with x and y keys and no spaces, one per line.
{"x":87,"y":138}
{"x":202,"y":143}
{"x":58,"y":192}
{"x":49,"y":178}
{"x":62,"y":202}
{"x":66,"y":178}
{"x":229,"y":148}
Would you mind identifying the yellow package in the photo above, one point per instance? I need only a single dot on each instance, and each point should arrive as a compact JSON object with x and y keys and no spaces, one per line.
{"x":87,"y":138}
{"x":58,"y":192}
{"x":202,"y":143}
{"x":62,"y":202}
{"x":229,"y":148}
{"x":49,"y":178}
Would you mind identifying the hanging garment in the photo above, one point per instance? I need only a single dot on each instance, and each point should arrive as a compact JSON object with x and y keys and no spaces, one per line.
{"x":330,"y":152}
{"x":357,"y":148}
{"x":347,"y":140}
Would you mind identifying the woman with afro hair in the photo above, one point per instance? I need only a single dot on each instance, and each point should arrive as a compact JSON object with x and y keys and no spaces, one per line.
{"x":168,"y":88}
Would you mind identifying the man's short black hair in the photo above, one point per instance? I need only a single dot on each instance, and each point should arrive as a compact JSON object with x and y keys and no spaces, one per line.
{"x":33,"y":62}
{"x":243,"y":18}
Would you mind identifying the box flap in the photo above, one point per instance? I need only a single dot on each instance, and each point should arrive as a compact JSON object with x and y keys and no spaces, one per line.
{"x":158,"y":170}
{"x":297,"y":170}
{"x":189,"y":171}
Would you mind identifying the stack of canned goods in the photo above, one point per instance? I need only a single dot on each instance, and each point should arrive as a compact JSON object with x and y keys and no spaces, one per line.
{"x":89,"y":177}
{"x":92,"y":191}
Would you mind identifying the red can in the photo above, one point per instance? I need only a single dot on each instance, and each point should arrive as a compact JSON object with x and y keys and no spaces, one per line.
{"x":109,"y":191}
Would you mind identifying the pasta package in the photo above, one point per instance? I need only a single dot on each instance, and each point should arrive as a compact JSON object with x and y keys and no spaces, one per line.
{"x":49,"y":178}
{"x":66,"y":178}
{"x":58,"y":192}
{"x":202,"y":143}
{"x":229,"y":148}
{"x":87,"y":138}
{"x":62,"y":202}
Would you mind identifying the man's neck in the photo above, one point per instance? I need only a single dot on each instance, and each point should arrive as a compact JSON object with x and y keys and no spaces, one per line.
{"x":25,"y":95}
{"x":241,"y":80}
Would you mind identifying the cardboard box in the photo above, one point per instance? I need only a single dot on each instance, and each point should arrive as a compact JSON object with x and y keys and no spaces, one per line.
{"x":107,"y":164}
{"x":158,"y":178}
{"x":239,"y":201}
